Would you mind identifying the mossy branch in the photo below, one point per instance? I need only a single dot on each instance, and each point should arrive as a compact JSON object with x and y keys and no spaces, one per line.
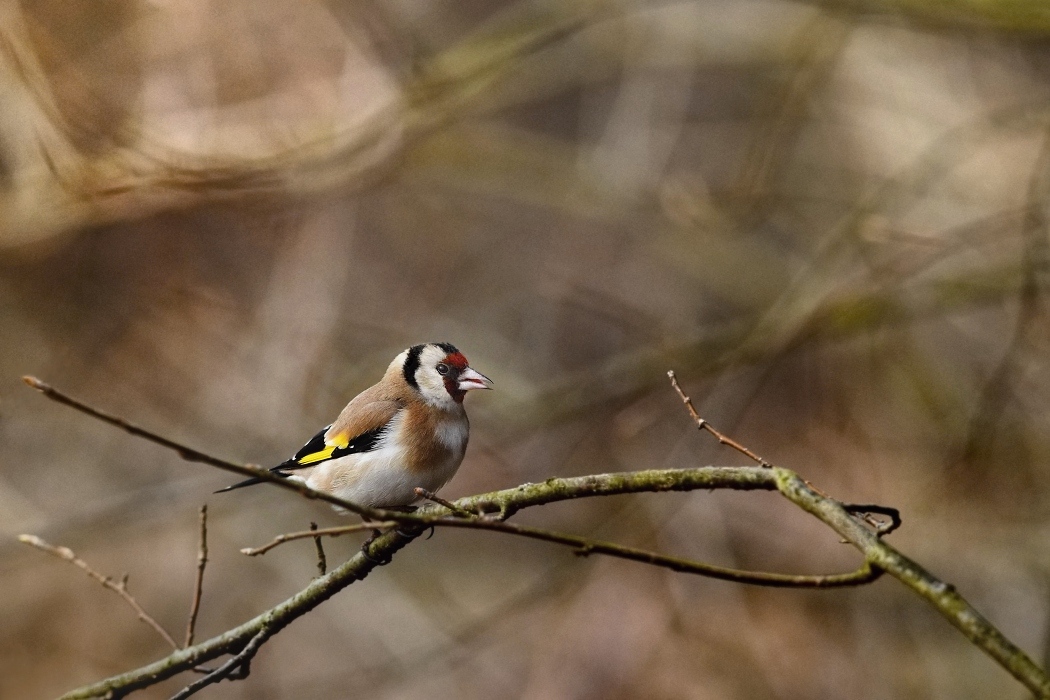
{"x":877,"y":553}
{"x":847,"y":521}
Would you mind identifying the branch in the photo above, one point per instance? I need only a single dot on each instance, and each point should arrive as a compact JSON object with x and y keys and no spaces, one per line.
{"x":586,"y":547}
{"x":388,"y":544}
{"x":120,"y":588}
{"x":233,"y":641}
{"x":878,"y":555}
{"x":942,"y":596}
{"x":242,"y":662}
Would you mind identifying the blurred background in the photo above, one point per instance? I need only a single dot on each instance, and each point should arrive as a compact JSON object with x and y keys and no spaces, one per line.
{"x":223,"y":219}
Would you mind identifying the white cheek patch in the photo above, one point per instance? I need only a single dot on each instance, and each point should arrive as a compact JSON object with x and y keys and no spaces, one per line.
{"x":431,"y":384}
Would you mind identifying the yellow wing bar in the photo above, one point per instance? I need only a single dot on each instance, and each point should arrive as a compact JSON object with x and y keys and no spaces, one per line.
{"x":317,"y":456}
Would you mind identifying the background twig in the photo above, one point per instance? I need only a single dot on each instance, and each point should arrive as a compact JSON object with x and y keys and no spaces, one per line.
{"x":118,"y":587}
{"x":704,"y":425}
{"x":198,"y":584}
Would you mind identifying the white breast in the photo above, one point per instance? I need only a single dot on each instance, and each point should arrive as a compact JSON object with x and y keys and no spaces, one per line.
{"x":380,"y":478}
{"x":453,"y":434}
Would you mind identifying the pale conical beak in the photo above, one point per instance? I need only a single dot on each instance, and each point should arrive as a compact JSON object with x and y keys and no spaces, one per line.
{"x":471,"y":379}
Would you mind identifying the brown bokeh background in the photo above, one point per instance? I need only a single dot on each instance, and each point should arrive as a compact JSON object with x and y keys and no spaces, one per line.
{"x":223,"y":219}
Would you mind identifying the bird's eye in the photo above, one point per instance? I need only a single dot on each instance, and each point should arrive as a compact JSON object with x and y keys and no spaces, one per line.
{"x":442,"y":368}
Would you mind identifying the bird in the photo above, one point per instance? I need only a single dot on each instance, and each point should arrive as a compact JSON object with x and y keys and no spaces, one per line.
{"x":405,"y":432}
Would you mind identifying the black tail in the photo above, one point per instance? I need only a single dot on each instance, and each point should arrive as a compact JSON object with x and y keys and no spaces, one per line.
{"x":240,"y":484}
{"x":250,"y":482}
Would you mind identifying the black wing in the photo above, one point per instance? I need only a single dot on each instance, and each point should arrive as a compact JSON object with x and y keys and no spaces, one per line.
{"x":316,"y":451}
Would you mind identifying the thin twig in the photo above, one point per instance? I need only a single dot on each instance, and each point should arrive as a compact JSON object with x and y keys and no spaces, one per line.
{"x":317,"y":534}
{"x":322,"y":561}
{"x":586,"y":547}
{"x":198,"y":586}
{"x":704,"y":425}
{"x":456,"y":510}
{"x":865,"y":512}
{"x":118,"y":587}
{"x":241,"y":662}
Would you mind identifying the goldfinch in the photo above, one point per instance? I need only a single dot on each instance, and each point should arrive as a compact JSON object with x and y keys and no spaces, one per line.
{"x":408,"y":431}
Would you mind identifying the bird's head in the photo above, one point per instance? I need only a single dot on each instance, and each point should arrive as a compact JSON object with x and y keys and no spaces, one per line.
{"x":440,"y":373}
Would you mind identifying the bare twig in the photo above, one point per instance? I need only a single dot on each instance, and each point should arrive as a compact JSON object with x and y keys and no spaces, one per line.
{"x":198,"y":586}
{"x":456,"y":510}
{"x":118,"y":587}
{"x":322,"y":561}
{"x":704,"y":425}
{"x":585,"y":547}
{"x":241,"y":664}
{"x":317,"y":534}
{"x":865,"y":512}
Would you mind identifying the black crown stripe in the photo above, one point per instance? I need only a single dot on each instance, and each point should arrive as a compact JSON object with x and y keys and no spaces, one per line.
{"x":449,"y":348}
{"x":411,"y":365}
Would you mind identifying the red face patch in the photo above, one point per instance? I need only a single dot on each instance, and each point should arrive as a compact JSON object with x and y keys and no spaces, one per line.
{"x":458,"y":363}
{"x":456,"y":360}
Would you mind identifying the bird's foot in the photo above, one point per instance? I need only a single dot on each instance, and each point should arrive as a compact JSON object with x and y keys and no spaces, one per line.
{"x":367,"y":544}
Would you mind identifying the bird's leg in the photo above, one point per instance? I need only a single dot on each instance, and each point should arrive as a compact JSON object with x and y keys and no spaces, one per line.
{"x":414,"y":532}
{"x":368,"y":543}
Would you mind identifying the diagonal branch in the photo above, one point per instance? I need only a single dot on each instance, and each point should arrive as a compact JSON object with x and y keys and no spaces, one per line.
{"x":941,"y":595}
{"x":233,"y":641}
